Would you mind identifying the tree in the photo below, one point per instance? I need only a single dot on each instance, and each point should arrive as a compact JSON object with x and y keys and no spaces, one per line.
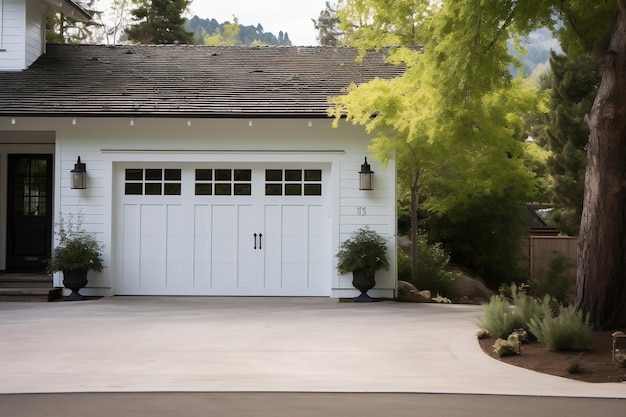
{"x":574,"y":84}
{"x":327,"y":26}
{"x":159,"y":21}
{"x":465,"y":61}
{"x":453,"y":146}
{"x":63,"y":29}
{"x":229,"y":35}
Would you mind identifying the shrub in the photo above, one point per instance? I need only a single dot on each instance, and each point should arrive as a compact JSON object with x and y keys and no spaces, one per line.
{"x":482,"y":334}
{"x":575,"y":366}
{"x":499,"y":318}
{"x":506,"y":347}
{"x":620,"y":360}
{"x":433,"y":270}
{"x":569,"y":330}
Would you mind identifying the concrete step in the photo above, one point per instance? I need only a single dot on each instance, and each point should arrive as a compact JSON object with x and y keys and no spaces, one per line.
{"x":35,"y":287}
{"x":30,"y":294}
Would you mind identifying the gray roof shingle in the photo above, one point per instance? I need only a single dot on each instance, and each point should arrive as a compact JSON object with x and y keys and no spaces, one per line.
{"x":189,"y":81}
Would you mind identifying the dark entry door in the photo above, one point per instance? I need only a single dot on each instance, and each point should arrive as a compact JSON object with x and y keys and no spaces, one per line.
{"x":29,"y":211}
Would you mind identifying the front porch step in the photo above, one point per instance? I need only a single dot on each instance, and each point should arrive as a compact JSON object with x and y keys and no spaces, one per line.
{"x":25,"y":287}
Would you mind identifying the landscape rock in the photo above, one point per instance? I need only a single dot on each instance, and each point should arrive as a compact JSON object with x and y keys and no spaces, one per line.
{"x":408,"y":293}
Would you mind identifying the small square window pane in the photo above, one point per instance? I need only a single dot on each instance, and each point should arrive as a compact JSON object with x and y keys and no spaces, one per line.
{"x":273,"y":189}
{"x":312,"y":174}
{"x":172,"y":188}
{"x":293,"y":189}
{"x":154,"y":174}
{"x":153,"y":189}
{"x":222,"y":189}
{"x":312,"y":189}
{"x":204,"y":174}
{"x":293,"y":175}
{"x":134,"y":174}
{"x":273,"y":175}
{"x":172,"y":175}
{"x":133,"y":188}
{"x":242,"y":175}
{"x":204,"y":189}
{"x":223,"y":175}
{"x":243,"y":189}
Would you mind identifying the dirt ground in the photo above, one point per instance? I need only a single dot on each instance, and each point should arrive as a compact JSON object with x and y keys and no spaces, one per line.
{"x":595,"y":363}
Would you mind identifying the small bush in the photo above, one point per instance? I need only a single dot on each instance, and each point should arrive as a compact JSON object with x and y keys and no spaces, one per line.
{"x":620,"y":360}
{"x":569,"y":330}
{"x":482,"y":334}
{"x":575,"y":366}
{"x":499,"y":318}
{"x":433,"y":271}
{"x":506,"y":347}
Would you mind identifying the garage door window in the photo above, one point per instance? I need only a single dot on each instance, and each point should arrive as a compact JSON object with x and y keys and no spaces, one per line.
{"x":223,"y":182}
{"x":293,"y":182}
{"x":152,"y":181}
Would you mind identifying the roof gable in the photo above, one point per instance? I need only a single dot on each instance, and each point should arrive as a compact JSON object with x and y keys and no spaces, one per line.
{"x":189,"y":81}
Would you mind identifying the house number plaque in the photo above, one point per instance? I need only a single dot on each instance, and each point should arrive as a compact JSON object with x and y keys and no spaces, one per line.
{"x":361,"y":211}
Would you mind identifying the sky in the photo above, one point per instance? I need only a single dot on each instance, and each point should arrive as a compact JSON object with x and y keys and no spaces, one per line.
{"x":291,"y":16}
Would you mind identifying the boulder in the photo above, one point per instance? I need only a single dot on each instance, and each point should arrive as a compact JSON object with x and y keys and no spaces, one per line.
{"x":408,"y":293}
{"x":471,"y":289}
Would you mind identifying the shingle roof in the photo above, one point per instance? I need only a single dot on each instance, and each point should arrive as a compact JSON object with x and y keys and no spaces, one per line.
{"x":189,"y":81}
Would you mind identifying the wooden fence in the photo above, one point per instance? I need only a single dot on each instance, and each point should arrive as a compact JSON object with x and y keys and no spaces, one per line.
{"x":539,"y":251}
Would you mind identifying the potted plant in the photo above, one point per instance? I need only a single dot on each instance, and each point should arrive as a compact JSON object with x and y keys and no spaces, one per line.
{"x":363,"y":254}
{"x":77,"y":253}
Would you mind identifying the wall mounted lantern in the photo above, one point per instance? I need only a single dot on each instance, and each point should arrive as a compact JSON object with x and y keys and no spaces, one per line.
{"x":366,"y":177}
{"x":79,"y":175}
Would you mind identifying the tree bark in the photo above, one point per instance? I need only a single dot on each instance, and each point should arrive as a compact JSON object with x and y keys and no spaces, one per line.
{"x":414,"y":226}
{"x":601,"y":275}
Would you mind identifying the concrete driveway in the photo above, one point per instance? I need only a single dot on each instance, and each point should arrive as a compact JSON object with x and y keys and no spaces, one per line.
{"x":211,"y":344}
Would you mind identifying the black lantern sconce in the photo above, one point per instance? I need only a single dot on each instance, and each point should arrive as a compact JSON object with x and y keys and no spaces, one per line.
{"x":79,"y":175}
{"x":366,"y":177}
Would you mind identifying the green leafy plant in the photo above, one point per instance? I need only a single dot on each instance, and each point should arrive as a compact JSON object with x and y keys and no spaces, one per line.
{"x":507,"y":347}
{"x":482,"y":333}
{"x":433,"y":270}
{"x":569,"y":330}
{"x":575,"y":366}
{"x":365,"y":250}
{"x":76,"y":250}
{"x":620,"y":360}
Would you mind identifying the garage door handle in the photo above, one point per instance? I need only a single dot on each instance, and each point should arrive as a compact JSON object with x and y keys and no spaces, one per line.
{"x":254,"y":241}
{"x":260,"y":240}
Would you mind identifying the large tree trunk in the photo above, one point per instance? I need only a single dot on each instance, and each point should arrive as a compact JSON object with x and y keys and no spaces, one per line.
{"x":601,"y":278}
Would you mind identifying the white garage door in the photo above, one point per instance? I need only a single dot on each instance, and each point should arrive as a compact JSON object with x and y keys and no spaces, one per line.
{"x":222,"y":230}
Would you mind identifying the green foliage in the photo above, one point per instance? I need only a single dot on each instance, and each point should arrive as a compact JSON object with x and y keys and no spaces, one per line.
{"x":482,"y":334}
{"x":159,"y":21}
{"x":77,"y":249}
{"x":502,"y":317}
{"x":574,"y":82}
{"x":556,"y":281}
{"x":327,"y":26}
{"x":235,"y":33}
{"x":575,"y":366}
{"x":365,"y":250}
{"x":433,"y":269}
{"x":620,"y":360}
{"x":507,"y":347}
{"x":569,"y":330}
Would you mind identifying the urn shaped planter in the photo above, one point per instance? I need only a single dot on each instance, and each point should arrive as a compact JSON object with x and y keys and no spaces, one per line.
{"x":363,"y":281}
{"x":75,"y":280}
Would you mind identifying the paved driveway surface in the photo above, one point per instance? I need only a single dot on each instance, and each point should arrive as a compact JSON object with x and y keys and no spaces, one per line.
{"x":221,"y":344}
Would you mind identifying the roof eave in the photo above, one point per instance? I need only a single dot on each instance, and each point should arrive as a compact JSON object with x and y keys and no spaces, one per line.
{"x":70,"y":9}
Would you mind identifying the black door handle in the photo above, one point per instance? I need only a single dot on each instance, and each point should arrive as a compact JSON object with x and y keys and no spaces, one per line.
{"x":255,"y":241}
{"x":260,"y":240}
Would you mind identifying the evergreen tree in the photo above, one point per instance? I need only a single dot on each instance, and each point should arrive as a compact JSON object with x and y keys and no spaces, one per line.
{"x":574,"y":85}
{"x":159,"y":21}
{"x":63,"y":29}
{"x":327,"y":26}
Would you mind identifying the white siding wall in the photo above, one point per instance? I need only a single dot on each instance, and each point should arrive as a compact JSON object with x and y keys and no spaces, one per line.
{"x":12,"y":29}
{"x":35,"y":31}
{"x":103,"y":143}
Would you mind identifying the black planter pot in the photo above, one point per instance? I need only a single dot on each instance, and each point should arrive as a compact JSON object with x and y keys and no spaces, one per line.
{"x":363,"y":281}
{"x":75,"y":280}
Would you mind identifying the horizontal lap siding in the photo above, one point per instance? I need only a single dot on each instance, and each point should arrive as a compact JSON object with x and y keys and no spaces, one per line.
{"x":12,"y":29}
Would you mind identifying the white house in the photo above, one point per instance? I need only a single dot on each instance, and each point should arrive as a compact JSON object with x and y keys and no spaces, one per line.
{"x":210,"y":170}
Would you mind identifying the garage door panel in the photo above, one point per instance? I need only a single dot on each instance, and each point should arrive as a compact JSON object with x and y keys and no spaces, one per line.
{"x":205,"y":244}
